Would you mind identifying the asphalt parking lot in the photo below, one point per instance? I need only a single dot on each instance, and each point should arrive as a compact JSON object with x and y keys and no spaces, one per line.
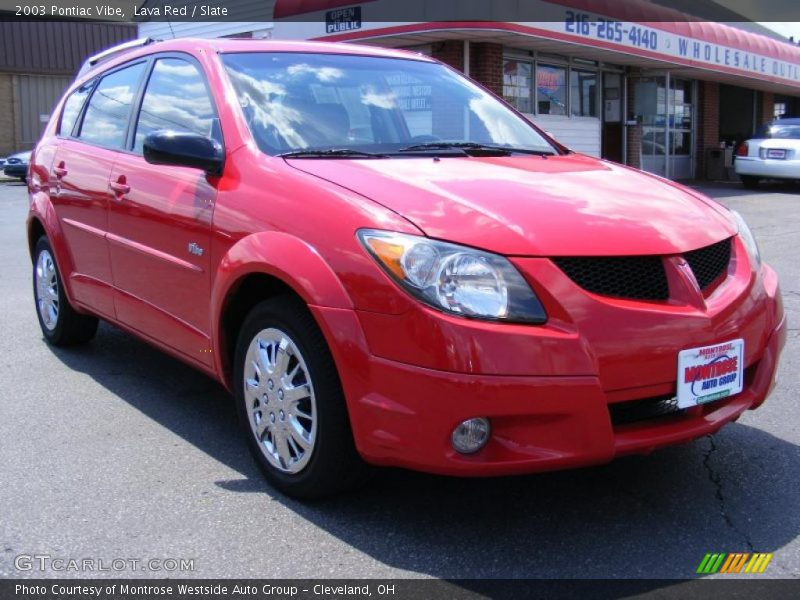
{"x":114,"y":450}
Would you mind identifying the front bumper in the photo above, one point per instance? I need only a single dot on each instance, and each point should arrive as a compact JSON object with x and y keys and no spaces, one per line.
{"x":752,"y":166}
{"x":550,"y":392}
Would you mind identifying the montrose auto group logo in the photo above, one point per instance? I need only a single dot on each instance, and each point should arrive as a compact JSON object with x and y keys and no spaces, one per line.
{"x":720,"y":369}
{"x":710,"y":373}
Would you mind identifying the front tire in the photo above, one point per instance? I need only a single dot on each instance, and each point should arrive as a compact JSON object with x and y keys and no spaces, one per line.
{"x":750,"y":182}
{"x":61,"y":325}
{"x":290,"y":402}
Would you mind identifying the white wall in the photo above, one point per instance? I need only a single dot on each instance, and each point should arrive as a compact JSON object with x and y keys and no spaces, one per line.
{"x":581,"y":134}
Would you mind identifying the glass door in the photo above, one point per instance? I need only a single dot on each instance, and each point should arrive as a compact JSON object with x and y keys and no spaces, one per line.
{"x":612,"y":116}
{"x":681,"y":101}
{"x":650,"y":111}
{"x":663,"y":108}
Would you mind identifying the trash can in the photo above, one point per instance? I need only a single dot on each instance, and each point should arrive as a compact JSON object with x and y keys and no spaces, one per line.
{"x":730,"y":171}
{"x":715,"y":164}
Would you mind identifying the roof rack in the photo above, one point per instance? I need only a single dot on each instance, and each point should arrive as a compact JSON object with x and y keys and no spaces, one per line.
{"x":109,"y":53}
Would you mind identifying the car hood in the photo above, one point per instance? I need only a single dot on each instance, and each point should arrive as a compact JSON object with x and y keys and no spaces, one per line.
{"x":570,"y":205}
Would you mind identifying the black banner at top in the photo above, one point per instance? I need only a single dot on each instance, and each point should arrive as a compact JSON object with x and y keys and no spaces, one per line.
{"x":344,"y":15}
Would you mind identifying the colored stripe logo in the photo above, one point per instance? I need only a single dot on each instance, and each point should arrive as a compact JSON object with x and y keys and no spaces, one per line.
{"x":734,"y":562}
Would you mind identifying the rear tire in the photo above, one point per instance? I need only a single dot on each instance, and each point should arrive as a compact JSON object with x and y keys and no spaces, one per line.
{"x":61,"y":324}
{"x":750,"y":182}
{"x":290,"y":402}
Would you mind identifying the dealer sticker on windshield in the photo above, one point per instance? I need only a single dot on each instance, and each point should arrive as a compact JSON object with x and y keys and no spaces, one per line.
{"x":710,"y":373}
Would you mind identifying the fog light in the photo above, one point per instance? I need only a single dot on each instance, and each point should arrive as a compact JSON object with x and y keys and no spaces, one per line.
{"x":471,"y":435}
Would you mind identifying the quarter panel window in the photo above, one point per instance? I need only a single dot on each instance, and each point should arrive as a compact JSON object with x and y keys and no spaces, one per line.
{"x":176,"y":99}
{"x":106,"y":120}
{"x":72,"y":108}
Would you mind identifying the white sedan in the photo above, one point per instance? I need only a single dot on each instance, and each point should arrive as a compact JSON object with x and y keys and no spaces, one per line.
{"x":773,"y":155}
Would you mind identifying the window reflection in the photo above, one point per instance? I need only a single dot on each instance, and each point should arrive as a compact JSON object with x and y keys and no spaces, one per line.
{"x":176,"y":99}
{"x":293,"y":101}
{"x":106,"y":119}
{"x":72,"y":108}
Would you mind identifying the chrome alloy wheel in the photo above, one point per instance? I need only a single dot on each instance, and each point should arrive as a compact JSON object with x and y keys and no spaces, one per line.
{"x":281,"y":407}
{"x":47,"y":290}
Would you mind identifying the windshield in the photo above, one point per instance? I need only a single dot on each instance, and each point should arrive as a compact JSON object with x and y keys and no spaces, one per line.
{"x":782,"y":132}
{"x":300,"y":101}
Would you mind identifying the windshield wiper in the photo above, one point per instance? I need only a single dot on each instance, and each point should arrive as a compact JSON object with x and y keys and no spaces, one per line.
{"x":474,"y":146}
{"x":330,"y":153}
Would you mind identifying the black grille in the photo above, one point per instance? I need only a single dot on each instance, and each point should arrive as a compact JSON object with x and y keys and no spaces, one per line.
{"x":710,"y":262}
{"x":643,"y":410}
{"x":637,"y":277}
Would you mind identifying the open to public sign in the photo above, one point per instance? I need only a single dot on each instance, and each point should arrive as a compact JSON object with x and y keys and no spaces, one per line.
{"x":710,"y":373}
{"x":342,"y":20}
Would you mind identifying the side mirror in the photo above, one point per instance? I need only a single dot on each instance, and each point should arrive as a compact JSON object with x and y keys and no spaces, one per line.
{"x":184,"y":149}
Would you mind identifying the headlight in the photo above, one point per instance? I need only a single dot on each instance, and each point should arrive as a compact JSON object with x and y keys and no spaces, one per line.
{"x":748,"y":238}
{"x":455,"y":279}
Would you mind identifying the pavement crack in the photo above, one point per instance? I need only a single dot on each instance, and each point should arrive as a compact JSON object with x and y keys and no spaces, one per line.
{"x":716,"y":479}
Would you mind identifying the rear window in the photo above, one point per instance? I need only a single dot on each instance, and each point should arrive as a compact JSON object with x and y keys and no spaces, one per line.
{"x":782,"y":132}
{"x":105,"y":122}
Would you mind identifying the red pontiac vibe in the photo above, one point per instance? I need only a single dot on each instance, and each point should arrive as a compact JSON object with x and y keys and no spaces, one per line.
{"x":386,"y":264}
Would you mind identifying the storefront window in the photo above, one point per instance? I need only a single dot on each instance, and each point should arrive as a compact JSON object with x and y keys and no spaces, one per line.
{"x":583,"y":93}
{"x":517,"y":84}
{"x":551,"y":90}
{"x":547,"y":89}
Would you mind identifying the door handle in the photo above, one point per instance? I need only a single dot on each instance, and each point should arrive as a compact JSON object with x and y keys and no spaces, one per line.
{"x":60,"y":171}
{"x":119,"y":187}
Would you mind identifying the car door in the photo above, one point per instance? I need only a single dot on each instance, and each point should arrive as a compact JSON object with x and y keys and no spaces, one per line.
{"x":159,"y":219}
{"x":79,"y":178}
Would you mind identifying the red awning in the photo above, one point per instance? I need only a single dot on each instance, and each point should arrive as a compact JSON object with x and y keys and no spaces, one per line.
{"x":668,"y":19}
{"x":635,"y":11}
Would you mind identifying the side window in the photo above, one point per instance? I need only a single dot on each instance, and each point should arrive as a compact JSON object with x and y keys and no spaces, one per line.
{"x":72,"y":108}
{"x":176,"y":98}
{"x":106,"y":119}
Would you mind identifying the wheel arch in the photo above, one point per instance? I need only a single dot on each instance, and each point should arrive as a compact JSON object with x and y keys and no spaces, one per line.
{"x":42,"y":220}
{"x":261,"y":266}
{"x":35,"y":231}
